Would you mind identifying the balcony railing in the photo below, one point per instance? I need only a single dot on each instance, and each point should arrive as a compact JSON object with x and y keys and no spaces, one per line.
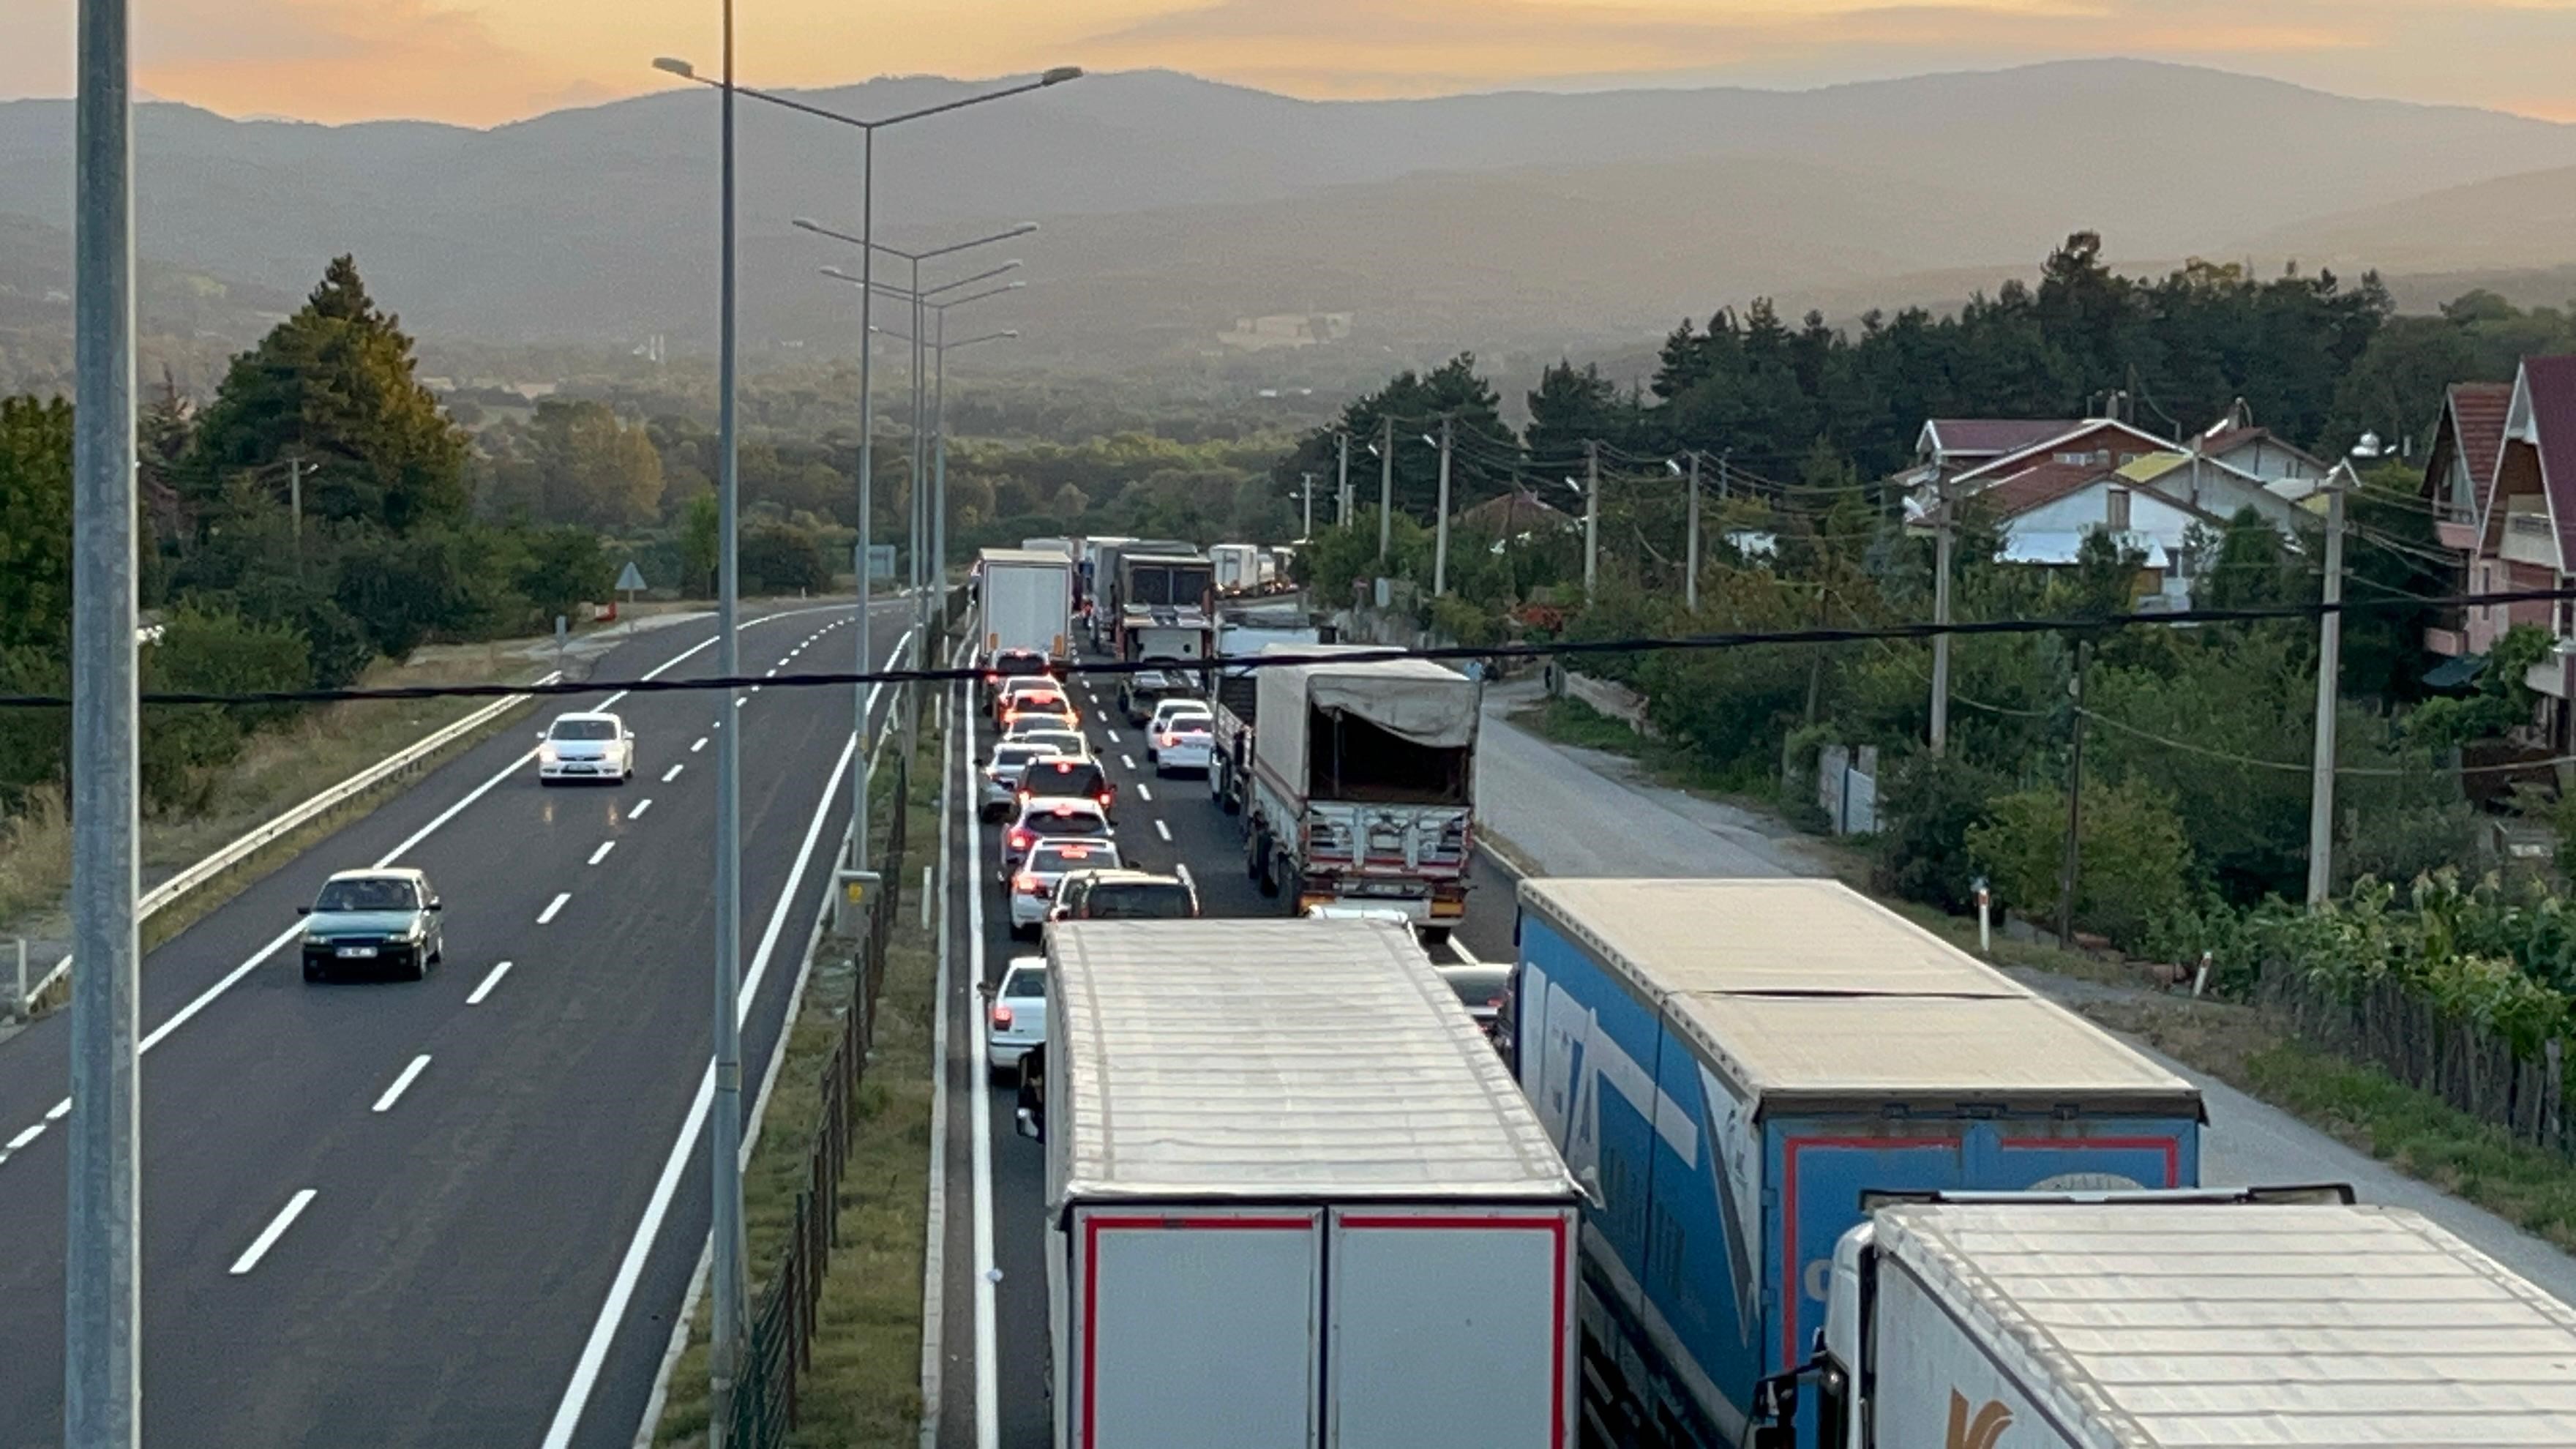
{"x":2528,"y":538}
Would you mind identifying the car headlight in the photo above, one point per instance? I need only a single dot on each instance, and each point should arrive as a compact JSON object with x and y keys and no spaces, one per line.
{"x":312,"y":938}
{"x":546,"y":754}
{"x":414,"y":933}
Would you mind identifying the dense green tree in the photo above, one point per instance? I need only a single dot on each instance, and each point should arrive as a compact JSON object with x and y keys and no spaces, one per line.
{"x":332,"y":387}
{"x":779,"y":558}
{"x":1485,"y":457}
{"x":577,"y":462}
{"x":35,"y":522}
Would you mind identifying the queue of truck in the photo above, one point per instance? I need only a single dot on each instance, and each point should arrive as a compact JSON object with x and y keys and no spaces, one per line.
{"x":1752,"y":1163}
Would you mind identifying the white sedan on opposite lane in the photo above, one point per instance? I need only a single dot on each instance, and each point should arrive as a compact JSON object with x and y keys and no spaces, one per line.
{"x":588,"y":746}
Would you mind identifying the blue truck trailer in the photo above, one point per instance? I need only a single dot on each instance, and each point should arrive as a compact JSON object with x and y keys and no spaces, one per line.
{"x":1731,"y":1066}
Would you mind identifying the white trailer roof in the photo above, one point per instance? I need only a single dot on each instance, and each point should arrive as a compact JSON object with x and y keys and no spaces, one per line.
{"x":1268,"y":1059}
{"x":1046,"y":557}
{"x":1806,"y":995}
{"x":2143,"y":1326}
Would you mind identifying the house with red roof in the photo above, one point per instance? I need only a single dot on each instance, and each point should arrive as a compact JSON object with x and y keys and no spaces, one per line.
{"x":2235,"y":442}
{"x":2528,"y":523}
{"x":2459,"y":472}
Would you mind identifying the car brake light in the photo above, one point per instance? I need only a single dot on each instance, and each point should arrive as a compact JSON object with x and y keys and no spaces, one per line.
{"x":1104,"y":797}
{"x":1019,"y":840}
{"x":1001,"y":1017}
{"x":1030,"y":885}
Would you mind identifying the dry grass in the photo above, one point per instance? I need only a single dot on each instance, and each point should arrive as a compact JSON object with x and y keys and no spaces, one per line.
{"x":35,"y":857}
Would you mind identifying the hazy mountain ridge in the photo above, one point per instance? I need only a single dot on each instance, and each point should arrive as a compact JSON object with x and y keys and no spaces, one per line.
{"x":1176,"y":205}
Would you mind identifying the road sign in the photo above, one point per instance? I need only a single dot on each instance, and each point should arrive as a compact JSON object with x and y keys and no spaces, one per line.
{"x":632,"y":579}
{"x":880,"y":561}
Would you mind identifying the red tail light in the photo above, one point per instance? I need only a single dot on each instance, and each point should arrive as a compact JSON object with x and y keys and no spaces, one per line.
{"x":1001,"y":1018}
{"x":1104,"y":797}
{"x":1020,"y":839}
{"x":1029,"y":885}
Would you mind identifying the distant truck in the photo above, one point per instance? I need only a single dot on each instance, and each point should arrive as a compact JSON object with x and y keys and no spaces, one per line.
{"x":1026,"y":599}
{"x":1104,"y":589}
{"x":1238,"y":568}
{"x":1164,"y":634}
{"x":1364,"y":785}
{"x":2279,"y":1317}
{"x":1730,"y":1064}
{"x":1235,"y":702}
{"x":1295,"y":1205}
{"x":1064,"y":546}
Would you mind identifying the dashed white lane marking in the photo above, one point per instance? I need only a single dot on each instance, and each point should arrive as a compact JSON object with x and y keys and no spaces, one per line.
{"x":1145,"y":793}
{"x":700,"y":745}
{"x":640,"y":807}
{"x":23,"y":1138}
{"x":1163,"y":830}
{"x":490,"y":980}
{"x":671,"y":774}
{"x":1129,"y":761}
{"x":59,"y":1110}
{"x":737,"y":703}
{"x":275,"y":1230}
{"x":601,"y":854}
{"x":552,"y":907}
{"x":401,"y":1084}
{"x":1113,"y":737}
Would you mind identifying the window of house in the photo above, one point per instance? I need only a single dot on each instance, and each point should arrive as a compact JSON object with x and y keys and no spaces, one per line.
{"x":2115,"y":508}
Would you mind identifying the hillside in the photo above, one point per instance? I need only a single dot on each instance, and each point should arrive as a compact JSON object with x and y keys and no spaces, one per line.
{"x":1175,"y":206}
{"x":2506,"y":223}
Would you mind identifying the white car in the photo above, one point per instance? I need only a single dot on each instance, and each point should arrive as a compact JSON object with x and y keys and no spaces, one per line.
{"x":1052,"y":817}
{"x":1181,"y":742}
{"x":1011,"y":759}
{"x":1048,"y":862}
{"x":1069,"y":743}
{"x":591,"y":746}
{"x":1164,"y":711}
{"x":1016,"y":1020}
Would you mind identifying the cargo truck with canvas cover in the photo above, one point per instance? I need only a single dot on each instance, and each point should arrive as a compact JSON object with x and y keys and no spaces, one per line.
{"x":1026,"y":601}
{"x":1235,"y":702}
{"x":1731,"y":1064}
{"x":2287,"y":1317}
{"x":1364,"y":784}
{"x":1292,"y":1207}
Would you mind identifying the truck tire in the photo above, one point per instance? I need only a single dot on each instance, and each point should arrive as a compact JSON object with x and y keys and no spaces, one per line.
{"x":1270,"y":859}
{"x":1256,"y":852}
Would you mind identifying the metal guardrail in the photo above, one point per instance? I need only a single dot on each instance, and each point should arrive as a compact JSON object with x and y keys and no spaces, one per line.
{"x":268,"y":832}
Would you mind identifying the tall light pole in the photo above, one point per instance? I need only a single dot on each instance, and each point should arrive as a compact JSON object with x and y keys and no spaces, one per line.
{"x":859,"y":778}
{"x":940,"y":347}
{"x":1591,"y":517}
{"x":1385,"y":488}
{"x":1690,"y":554}
{"x":1440,"y":545}
{"x":2321,"y":780}
{"x":102,"y":1276}
{"x":1342,"y":484}
{"x":728,"y":1315}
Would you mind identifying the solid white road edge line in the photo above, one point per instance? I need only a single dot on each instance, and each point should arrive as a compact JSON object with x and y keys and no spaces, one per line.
{"x":630,"y":1268}
{"x":491,"y":979}
{"x":988,"y":1378}
{"x":546,"y":916}
{"x":402,"y":1083}
{"x":601,"y":854}
{"x":681,"y":1324}
{"x":275,"y":1230}
{"x":957,"y":789}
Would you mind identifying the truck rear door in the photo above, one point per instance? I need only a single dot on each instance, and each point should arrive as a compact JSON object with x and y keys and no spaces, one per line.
{"x":1196,"y":1328}
{"x":1823,"y":1167}
{"x":1450,"y":1328}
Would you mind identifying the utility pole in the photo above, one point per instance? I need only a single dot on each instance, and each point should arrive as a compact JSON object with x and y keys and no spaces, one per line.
{"x":1591,"y":517}
{"x":867,"y":491}
{"x":1342,"y":489}
{"x":1690,"y":560}
{"x":102,"y":1273}
{"x":728,"y":1316}
{"x":1941,"y":548}
{"x":295,"y":508}
{"x":1385,"y":488}
{"x":1440,"y":545}
{"x":2074,"y":809}
{"x":1309,"y":531}
{"x":2329,"y":669}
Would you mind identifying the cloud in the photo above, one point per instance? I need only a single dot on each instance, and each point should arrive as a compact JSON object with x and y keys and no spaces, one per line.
{"x":331,"y":60}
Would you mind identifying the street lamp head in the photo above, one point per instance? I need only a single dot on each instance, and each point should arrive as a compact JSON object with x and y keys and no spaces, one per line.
{"x":806,"y":223}
{"x":1023,"y":229}
{"x":675,"y":66}
{"x":836,"y":274}
{"x":1060,"y":75}
{"x":1672,"y":467}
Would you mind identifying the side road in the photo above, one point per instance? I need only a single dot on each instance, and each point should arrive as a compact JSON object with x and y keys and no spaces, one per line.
{"x":1565,"y":811}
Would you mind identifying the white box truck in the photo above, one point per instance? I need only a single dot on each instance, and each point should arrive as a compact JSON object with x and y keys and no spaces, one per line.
{"x":2203,"y":1319}
{"x":1364,"y":785}
{"x":1293,"y":1199}
{"x":1238,"y":568}
{"x":1026,"y":598}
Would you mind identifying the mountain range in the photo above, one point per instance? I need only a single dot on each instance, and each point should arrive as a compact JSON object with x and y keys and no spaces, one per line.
{"x":1174,"y":207}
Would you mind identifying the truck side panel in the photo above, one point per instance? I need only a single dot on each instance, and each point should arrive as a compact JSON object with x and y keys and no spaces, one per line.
{"x":1823,"y":1165}
{"x":1196,"y":1329}
{"x":1945,"y":1391}
{"x":1451,"y":1329}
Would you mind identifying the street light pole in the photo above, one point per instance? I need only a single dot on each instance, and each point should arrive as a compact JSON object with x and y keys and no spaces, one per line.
{"x":1342,"y":486}
{"x":1440,"y":545}
{"x":1385,"y":488}
{"x":1309,"y":530}
{"x":2321,"y":786}
{"x":1690,"y":565}
{"x":1591,"y":517}
{"x":729,"y":1316}
{"x":102,"y":1352}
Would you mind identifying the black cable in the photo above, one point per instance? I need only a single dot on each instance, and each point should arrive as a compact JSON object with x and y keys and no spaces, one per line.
{"x":1739,"y":639}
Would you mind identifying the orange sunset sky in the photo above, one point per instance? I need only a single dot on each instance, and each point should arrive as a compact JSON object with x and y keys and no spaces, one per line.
{"x":481,"y":62}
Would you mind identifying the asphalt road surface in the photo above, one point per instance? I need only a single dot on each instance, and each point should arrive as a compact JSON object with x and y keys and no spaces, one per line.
{"x":464,"y":1210}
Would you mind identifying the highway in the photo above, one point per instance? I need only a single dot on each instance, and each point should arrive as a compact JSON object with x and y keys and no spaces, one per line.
{"x":1163,"y":824}
{"x":462,"y":1211}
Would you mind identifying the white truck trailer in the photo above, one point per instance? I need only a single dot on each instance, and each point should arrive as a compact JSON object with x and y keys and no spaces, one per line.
{"x":2205,"y":1319}
{"x":1293,"y":1199}
{"x":1026,"y":600}
{"x":1364,"y":785}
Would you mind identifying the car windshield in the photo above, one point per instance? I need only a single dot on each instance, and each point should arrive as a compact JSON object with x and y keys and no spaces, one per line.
{"x":1063,"y":855}
{"x":1072,"y":822}
{"x":1478,"y":986}
{"x":1139,"y":900}
{"x":584,"y":729}
{"x":368,"y":893}
{"x":1064,"y":742}
{"x":1016,"y":754}
{"x":1064,"y":777}
{"x":1025,"y":983}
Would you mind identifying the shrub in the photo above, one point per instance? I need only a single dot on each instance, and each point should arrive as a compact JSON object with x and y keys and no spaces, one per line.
{"x":2133,"y":864}
{"x":1926,"y":807}
{"x":777,"y":558}
{"x":212,"y":653}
